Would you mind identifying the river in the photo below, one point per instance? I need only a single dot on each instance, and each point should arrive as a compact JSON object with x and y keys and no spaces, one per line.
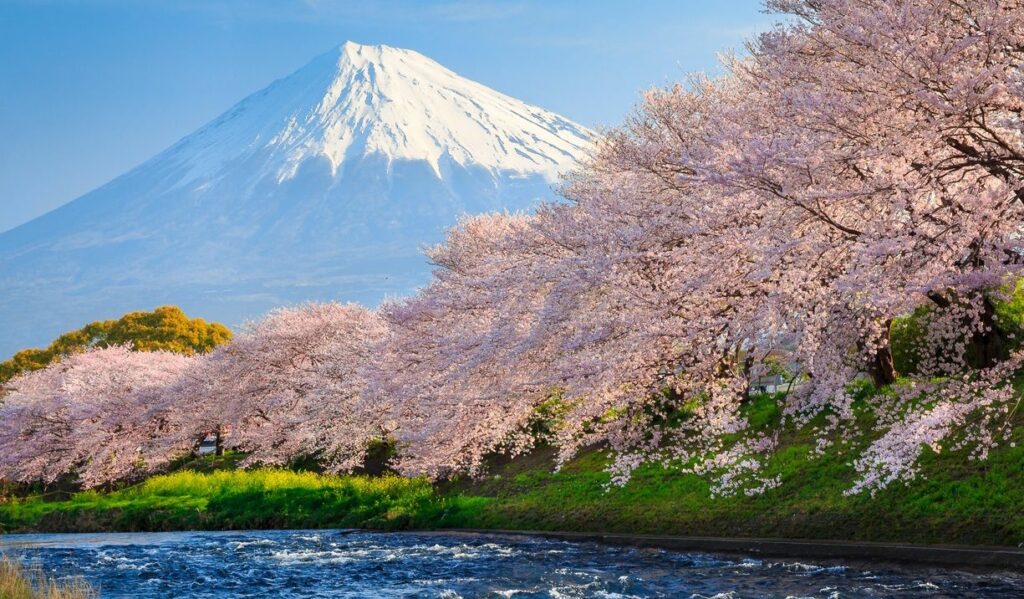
{"x":338,"y":563}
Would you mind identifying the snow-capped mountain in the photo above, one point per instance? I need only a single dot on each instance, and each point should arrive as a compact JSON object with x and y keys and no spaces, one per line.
{"x":323,"y":185}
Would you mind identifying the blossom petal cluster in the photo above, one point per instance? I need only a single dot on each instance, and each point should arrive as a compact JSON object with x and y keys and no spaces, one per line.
{"x":862,"y":159}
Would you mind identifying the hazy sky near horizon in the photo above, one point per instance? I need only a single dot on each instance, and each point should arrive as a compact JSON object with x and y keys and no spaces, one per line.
{"x":91,"y":88}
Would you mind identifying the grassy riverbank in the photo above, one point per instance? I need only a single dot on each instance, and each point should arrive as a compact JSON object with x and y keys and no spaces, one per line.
{"x":236,"y":499}
{"x":956,"y":501}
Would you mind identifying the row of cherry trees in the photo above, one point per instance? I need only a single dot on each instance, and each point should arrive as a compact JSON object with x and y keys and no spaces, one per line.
{"x":289,"y":386}
{"x":863,"y":160}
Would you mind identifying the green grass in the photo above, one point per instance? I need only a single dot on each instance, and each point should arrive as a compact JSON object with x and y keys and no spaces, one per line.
{"x":235,"y":499}
{"x":956,"y":501}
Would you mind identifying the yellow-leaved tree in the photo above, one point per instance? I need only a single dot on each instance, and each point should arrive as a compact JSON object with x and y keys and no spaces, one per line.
{"x":165,"y":328}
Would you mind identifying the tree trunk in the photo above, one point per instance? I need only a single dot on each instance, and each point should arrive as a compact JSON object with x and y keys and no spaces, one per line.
{"x":988,"y":347}
{"x":748,"y":366}
{"x":219,"y":442}
{"x":881,"y":368}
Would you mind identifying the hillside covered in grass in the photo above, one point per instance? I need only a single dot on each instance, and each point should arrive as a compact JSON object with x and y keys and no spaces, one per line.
{"x":955,"y":500}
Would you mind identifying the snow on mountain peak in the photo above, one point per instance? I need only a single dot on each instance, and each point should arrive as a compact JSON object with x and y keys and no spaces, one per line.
{"x":322,"y":186}
{"x":358,"y":100}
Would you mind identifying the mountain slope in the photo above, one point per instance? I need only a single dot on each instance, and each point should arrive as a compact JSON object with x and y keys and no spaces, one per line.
{"x":324,"y":185}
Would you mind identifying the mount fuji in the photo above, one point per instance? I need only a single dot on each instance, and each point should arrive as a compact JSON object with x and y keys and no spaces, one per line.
{"x":324,"y":185}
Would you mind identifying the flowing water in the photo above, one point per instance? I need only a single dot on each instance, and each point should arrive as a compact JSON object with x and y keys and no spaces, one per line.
{"x":338,"y":563}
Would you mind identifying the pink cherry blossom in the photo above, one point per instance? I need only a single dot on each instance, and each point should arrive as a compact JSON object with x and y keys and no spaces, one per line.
{"x":290,"y":385}
{"x":95,"y":414}
{"x":860,"y":160}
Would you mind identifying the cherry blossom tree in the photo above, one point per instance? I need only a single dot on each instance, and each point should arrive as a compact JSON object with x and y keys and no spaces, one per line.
{"x":94,"y":415}
{"x":290,"y":386}
{"x":893,"y":130}
{"x":897,"y":125}
{"x":860,"y":160}
{"x":457,"y":370}
{"x":863,"y":159}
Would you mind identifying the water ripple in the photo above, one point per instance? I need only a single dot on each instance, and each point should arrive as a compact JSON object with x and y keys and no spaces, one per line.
{"x":340,"y":563}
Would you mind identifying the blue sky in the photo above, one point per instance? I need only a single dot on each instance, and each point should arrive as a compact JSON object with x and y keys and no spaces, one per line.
{"x":91,"y":88}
